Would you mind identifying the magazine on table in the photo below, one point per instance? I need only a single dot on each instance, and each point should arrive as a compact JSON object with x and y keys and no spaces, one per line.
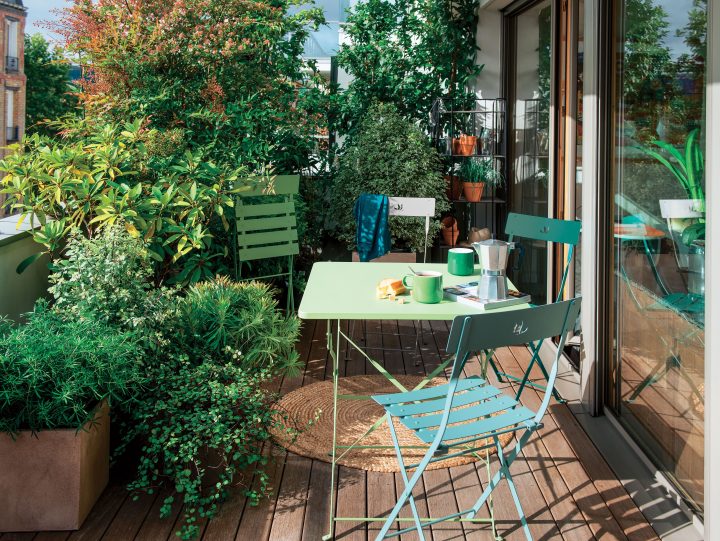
{"x":467,"y":294}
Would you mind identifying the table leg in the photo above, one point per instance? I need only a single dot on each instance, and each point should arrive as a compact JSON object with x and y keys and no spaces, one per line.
{"x":335,"y":354}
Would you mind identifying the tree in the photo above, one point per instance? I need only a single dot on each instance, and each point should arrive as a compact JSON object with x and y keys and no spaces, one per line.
{"x":408,"y":53}
{"x":230,"y":75}
{"x":646,"y":65}
{"x":50,"y":94}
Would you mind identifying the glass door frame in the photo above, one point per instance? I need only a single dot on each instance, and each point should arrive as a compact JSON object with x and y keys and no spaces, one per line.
{"x":507,"y":89}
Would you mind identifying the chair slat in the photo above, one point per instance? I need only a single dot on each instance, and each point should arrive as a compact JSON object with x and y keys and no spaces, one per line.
{"x":432,"y":406}
{"x":278,"y":250}
{"x":427,"y":392}
{"x":542,"y":228}
{"x":488,"y":407}
{"x":479,"y":428}
{"x":247,"y":240}
{"x":264,"y":209}
{"x":279,"y":185}
{"x":264,"y":224}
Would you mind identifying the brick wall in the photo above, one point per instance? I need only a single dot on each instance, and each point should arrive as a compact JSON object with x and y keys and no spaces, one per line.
{"x":12,"y":76}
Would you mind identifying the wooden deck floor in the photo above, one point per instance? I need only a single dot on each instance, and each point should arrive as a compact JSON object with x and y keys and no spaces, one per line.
{"x":566,"y":487}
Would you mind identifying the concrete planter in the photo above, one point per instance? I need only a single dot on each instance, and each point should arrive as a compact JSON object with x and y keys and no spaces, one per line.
{"x":51,"y":480}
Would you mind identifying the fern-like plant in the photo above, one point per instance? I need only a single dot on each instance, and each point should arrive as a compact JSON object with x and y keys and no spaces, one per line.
{"x":54,"y":372}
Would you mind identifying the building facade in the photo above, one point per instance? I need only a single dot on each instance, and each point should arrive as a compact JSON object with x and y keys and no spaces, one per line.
{"x":12,"y":43}
{"x":12,"y":75}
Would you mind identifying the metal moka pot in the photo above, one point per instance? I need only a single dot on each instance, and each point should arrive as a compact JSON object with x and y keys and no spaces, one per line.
{"x":493,"y":255}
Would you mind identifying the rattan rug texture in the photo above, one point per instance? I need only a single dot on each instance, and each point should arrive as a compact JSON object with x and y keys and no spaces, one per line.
{"x":309,"y":410}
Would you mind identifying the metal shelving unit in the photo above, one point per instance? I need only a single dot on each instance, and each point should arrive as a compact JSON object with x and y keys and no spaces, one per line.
{"x":484,"y":119}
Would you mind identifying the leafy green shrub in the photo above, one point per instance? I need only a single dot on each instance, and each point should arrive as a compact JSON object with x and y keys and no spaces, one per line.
{"x":203,"y":430}
{"x":408,"y":53}
{"x":388,"y":156}
{"x":53,"y":371}
{"x":103,"y":173}
{"x":207,"y":351}
{"x":207,"y":413}
{"x":238,"y":321}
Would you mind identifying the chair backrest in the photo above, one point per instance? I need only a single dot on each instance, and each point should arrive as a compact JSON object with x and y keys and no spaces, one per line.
{"x":488,"y":331}
{"x":547,"y":230}
{"x":416,"y":207}
{"x":682,"y":210}
{"x":268,"y":229}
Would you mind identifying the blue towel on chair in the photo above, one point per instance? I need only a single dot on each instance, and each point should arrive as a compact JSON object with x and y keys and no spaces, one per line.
{"x":373,"y":234}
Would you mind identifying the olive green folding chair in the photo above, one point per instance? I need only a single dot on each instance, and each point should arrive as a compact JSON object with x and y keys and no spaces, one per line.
{"x":266,"y":227}
{"x":468,"y":415}
{"x":539,"y":228}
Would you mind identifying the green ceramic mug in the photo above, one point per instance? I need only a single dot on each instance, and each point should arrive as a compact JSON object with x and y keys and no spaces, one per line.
{"x":461,"y":261}
{"x":426,"y":286}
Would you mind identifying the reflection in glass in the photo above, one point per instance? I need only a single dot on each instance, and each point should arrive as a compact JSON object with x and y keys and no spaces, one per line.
{"x":657,"y":377}
{"x":530,"y":141}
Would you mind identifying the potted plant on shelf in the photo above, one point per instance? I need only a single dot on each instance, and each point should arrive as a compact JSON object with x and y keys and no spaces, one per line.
{"x":57,"y":378}
{"x":464,"y":145}
{"x":476,"y":173}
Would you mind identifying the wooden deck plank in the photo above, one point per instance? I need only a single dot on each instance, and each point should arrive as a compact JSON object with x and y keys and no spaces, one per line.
{"x":562,"y":468}
{"x":49,"y":536}
{"x":568,"y":517}
{"x":224,"y":525}
{"x":351,"y":502}
{"x":102,"y":514}
{"x":154,"y":527}
{"x":130,"y":517}
{"x":289,"y":513}
{"x":592,"y":500}
{"x":315,"y":524}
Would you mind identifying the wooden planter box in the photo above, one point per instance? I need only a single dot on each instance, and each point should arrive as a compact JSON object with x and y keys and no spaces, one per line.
{"x":51,"y":480}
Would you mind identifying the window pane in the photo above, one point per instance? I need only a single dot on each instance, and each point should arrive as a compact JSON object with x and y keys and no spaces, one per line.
{"x":659,"y":246}
{"x":529,"y":142}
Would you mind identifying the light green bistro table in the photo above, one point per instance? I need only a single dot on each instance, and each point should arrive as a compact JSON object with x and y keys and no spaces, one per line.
{"x":346,"y":291}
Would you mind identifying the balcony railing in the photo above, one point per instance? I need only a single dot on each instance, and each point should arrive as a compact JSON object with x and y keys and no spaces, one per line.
{"x":12,"y":134}
{"x":12,"y":64}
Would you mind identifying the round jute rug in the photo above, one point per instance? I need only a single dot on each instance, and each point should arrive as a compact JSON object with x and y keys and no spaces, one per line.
{"x":309,"y":410}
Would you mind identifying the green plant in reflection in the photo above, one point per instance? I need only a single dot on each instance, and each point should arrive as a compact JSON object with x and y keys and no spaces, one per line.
{"x":688,"y":167}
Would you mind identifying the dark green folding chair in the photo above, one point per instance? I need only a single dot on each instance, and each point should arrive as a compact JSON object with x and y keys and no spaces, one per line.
{"x":539,"y":228}
{"x":266,"y":227}
{"x":468,"y":415}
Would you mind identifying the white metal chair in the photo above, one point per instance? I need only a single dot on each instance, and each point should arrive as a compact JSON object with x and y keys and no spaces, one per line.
{"x":413,"y":207}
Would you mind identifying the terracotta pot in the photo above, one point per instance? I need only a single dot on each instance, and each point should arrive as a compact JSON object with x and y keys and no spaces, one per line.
{"x":453,"y":187}
{"x":52,"y":479}
{"x":450,"y":231}
{"x":473,"y":191}
{"x":464,"y":145}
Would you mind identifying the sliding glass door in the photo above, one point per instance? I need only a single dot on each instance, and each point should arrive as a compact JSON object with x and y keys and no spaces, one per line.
{"x":656,"y":378}
{"x":529,"y":46}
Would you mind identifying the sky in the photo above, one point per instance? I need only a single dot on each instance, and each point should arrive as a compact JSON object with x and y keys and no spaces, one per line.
{"x":41,"y":10}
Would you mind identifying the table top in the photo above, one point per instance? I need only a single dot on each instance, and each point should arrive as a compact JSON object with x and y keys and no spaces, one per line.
{"x":637,"y":232}
{"x":343,"y":290}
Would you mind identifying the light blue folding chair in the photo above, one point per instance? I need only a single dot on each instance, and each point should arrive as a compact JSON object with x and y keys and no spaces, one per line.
{"x":462,"y":416}
{"x":543,"y":229}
